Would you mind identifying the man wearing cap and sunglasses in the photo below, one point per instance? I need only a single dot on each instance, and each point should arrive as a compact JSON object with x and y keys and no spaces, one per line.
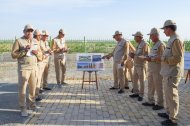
{"x":154,"y":67}
{"x":139,"y":66}
{"x":172,"y":71}
{"x":47,"y":52}
{"x":59,"y":49}
{"x":25,"y":51}
{"x":120,"y":55}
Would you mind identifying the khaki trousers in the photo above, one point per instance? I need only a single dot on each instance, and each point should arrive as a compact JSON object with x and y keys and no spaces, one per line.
{"x":128,"y":71}
{"x":27,"y":77}
{"x":155,"y":85}
{"x":139,"y":75}
{"x":171,"y":96}
{"x":60,"y":69}
{"x":45,"y":72}
{"x":118,"y":75}
{"x":39,"y":77}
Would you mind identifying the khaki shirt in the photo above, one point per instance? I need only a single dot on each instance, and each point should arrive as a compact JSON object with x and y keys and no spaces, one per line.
{"x":141,"y":50}
{"x":45,"y":49}
{"x":173,"y":58}
{"x":156,"y":51}
{"x":129,"y":62}
{"x":121,"y":51}
{"x":58,"y":44}
{"x":40,"y":52}
{"x":18,"y":52}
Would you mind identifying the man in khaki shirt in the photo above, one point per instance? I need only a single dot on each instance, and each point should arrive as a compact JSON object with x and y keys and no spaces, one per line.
{"x":172,"y":70}
{"x":154,"y":67}
{"x":60,"y":49}
{"x":120,"y":55}
{"x":25,"y":51}
{"x":37,"y":37}
{"x":46,"y":62}
{"x":139,"y":66}
{"x":129,"y":65}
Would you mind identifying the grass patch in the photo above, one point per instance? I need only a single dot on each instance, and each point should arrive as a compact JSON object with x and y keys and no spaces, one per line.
{"x":81,"y":47}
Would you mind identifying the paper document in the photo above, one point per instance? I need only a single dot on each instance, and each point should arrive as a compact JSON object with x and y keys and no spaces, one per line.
{"x":34,"y":47}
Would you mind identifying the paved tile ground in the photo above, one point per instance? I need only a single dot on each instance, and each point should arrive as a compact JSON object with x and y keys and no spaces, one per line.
{"x":71,"y":105}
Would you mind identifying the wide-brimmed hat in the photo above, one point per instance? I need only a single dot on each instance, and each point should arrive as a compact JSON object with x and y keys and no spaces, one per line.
{"x":61,"y":31}
{"x":138,"y":33}
{"x":28,"y":27}
{"x":153,"y":31}
{"x":117,"y":33}
{"x":37,"y":32}
{"x":45,"y":33}
{"x":168,"y":23}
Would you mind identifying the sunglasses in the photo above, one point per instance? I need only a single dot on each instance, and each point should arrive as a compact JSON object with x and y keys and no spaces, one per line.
{"x":29,"y":30}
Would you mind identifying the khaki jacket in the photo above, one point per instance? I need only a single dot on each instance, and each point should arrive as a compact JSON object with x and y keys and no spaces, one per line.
{"x":121,"y":51}
{"x":57,"y":45}
{"x":45,"y":49}
{"x":18,"y":52}
{"x":156,"y":51}
{"x":129,"y":63}
{"x":141,"y":50}
{"x":173,"y":57}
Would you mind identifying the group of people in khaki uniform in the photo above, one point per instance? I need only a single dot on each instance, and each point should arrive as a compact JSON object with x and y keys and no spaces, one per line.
{"x":162,"y":65}
{"x":33,"y":54}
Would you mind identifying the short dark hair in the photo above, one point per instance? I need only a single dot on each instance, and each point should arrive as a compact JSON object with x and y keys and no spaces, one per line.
{"x":173,"y":27}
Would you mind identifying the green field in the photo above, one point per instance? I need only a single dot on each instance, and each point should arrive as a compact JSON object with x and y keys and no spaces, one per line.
{"x":79,"y":46}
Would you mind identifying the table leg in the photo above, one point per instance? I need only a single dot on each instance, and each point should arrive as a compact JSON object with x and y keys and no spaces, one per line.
{"x":83,"y":79}
{"x":96,"y":80}
{"x":89,"y":77}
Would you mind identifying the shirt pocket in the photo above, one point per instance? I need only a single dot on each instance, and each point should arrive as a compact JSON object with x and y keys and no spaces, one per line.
{"x":139,"y":51}
{"x":167,"y":52}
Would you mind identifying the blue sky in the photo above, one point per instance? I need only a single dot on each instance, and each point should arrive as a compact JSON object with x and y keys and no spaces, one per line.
{"x":93,"y":18}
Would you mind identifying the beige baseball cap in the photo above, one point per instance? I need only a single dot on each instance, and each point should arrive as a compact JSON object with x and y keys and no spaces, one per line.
{"x":61,"y":31}
{"x":117,"y":33}
{"x":154,"y":31}
{"x":37,"y":32}
{"x":45,"y":32}
{"x":138,"y":33}
{"x":28,"y":26}
{"x":168,"y":23}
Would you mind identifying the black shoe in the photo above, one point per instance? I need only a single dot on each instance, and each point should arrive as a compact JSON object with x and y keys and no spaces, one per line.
{"x":134,"y":95}
{"x":41,"y":91}
{"x":140,"y":98}
{"x":126,"y":87}
{"x":113,"y":88}
{"x":168,"y":122}
{"x":38,"y":99}
{"x":163,"y":115}
{"x":148,"y":104}
{"x":157,"y":107}
{"x":46,"y":88}
{"x":120,"y":91}
{"x":132,"y":91}
{"x":63,"y":83}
